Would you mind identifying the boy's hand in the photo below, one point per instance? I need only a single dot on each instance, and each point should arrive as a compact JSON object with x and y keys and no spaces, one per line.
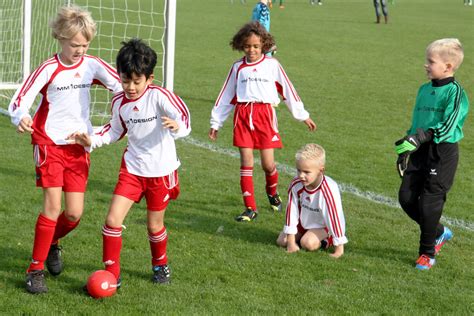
{"x":166,"y":122}
{"x":79,"y":138}
{"x":411,"y":143}
{"x":212,"y":134}
{"x":311,"y":125}
{"x":338,"y":251}
{"x":402,"y":163}
{"x":25,"y":125}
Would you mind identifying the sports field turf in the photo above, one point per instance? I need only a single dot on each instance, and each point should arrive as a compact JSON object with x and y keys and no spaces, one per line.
{"x":359,"y":80}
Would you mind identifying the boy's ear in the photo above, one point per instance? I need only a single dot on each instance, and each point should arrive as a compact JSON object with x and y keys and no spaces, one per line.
{"x":151,"y":78}
{"x":449,"y":67}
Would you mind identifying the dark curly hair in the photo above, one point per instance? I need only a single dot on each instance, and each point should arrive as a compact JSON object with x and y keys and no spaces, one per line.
{"x":237,"y":42}
{"x":136,"y":57}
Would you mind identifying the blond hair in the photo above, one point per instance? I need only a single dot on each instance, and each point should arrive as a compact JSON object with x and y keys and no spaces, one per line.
{"x":313,"y":152}
{"x":71,"y":21}
{"x":449,"y":49}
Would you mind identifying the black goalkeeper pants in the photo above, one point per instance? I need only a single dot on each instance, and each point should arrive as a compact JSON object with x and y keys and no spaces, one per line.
{"x":425,"y":184}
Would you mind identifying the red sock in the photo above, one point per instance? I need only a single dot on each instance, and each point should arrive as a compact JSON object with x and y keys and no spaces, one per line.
{"x":246,"y":186}
{"x":44,"y":231}
{"x":271,"y":182}
{"x":158,"y":242}
{"x":63,"y":227}
{"x":111,"y":248}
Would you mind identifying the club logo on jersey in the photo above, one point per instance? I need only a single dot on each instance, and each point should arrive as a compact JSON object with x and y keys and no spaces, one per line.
{"x":135,"y":109}
{"x":77,"y":75}
{"x":254,"y":70}
{"x":74,"y":86}
{"x":138,"y":121}
{"x":311,"y":209}
{"x":308,"y":199}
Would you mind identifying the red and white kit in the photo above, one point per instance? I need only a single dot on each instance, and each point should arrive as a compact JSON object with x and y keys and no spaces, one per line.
{"x":56,"y":116}
{"x":151,"y":150}
{"x":318,"y":208}
{"x":253,"y":88}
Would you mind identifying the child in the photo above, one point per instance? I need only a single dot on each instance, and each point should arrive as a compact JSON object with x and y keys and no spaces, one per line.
{"x":153,"y":118}
{"x":383,"y":5}
{"x":314,"y":216}
{"x":64,"y":82}
{"x":252,"y":88}
{"x":428,"y":156}
{"x":261,"y":14}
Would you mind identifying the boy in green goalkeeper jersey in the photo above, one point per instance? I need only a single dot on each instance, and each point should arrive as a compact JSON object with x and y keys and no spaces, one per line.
{"x":428,"y":155}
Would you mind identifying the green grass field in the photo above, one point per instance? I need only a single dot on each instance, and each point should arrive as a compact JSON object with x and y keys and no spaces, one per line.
{"x":359,"y":81}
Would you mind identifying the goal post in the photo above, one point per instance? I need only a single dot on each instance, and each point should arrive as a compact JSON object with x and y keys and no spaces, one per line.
{"x":26,"y":41}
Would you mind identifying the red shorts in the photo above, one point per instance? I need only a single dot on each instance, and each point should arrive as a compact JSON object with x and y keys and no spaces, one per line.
{"x":157,"y":191}
{"x":255,"y":126}
{"x":65,"y":166}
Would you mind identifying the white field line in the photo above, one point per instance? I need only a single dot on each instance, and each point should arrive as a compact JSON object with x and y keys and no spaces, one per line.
{"x":348,"y":188}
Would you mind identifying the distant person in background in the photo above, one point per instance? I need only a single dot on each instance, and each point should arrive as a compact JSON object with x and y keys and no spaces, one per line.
{"x":377,"y":5}
{"x":281,"y":4}
{"x":313,"y":2}
{"x":261,"y":14}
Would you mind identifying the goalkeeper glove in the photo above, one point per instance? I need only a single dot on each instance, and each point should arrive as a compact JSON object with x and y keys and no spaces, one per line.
{"x":411,"y":143}
{"x":402,"y":164}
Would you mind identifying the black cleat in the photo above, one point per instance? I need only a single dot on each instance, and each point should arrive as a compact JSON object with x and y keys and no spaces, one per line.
{"x":54,"y":262}
{"x":275,"y":202}
{"x":248,"y":215}
{"x":161,"y":274}
{"x":35,"y":283}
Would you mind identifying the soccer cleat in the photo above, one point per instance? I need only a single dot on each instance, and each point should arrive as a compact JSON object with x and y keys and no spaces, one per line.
{"x":441,"y":240}
{"x":35,"y":283}
{"x":161,"y":274}
{"x":326,"y":244}
{"x":425,"y":263}
{"x":54,"y":262}
{"x":247,"y":216}
{"x":275,"y":202}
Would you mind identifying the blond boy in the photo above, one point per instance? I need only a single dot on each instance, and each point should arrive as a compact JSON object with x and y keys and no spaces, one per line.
{"x":314,"y":216}
{"x":428,"y":155}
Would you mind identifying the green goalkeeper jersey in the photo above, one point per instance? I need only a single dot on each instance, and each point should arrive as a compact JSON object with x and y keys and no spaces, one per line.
{"x":441,"y":105}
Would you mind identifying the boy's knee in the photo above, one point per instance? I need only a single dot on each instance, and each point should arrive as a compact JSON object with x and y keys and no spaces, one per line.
{"x":310,"y":244}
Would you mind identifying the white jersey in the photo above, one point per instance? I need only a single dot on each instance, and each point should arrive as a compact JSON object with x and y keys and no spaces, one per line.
{"x":261,"y":82}
{"x":318,"y":208}
{"x":151,"y":150}
{"x":65,"y":97}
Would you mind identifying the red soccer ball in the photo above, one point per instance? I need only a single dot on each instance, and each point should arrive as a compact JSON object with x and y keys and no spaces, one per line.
{"x":101,"y":284}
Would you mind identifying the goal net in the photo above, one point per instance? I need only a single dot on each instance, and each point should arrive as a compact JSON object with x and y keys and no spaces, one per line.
{"x":26,"y":41}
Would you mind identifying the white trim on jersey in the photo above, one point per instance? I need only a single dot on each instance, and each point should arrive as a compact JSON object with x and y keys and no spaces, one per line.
{"x":318,"y":208}
{"x":151,"y":150}
{"x":259,"y":82}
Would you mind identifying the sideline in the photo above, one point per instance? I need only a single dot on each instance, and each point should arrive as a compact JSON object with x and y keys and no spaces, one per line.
{"x":348,"y":188}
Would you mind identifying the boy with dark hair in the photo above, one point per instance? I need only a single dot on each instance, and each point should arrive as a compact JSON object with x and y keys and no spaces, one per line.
{"x":153,"y":118}
{"x":428,"y":155}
